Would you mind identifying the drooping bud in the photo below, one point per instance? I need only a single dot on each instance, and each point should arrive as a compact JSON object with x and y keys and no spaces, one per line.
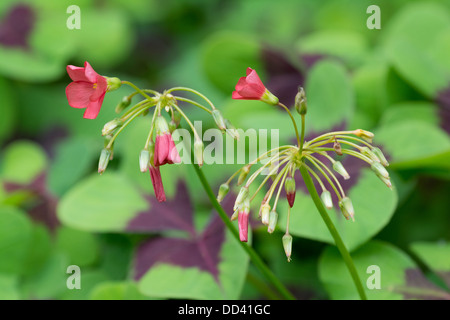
{"x":113,"y":83}
{"x":218,"y":118}
{"x":265,"y":213}
{"x":198,"y":152}
{"x":244,"y":211}
{"x":123,"y":104}
{"x":231,"y":130}
{"x":380,"y":170}
{"x":223,"y":190}
{"x":144,"y":160}
{"x":235,"y":215}
{"x":337,"y":147}
{"x":242,"y":195}
{"x":339,"y":168}
{"x":366,"y":135}
{"x":161,"y":125}
{"x":300,"y":101}
{"x":104,"y":160}
{"x":386,"y":181}
{"x":380,"y":155}
{"x":326,"y":199}
{"x":172,"y":126}
{"x":368,"y":153}
{"x":273,"y":219}
{"x":287,"y":245}
{"x":243,"y":175}
{"x":289,"y":186}
{"x":347,"y":208}
{"x":110,"y":126}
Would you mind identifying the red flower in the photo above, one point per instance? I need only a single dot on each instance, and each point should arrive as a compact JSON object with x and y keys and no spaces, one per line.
{"x":165,"y":150}
{"x":155,"y":174}
{"x":252,"y":88}
{"x":87,"y":90}
{"x":243,"y":224}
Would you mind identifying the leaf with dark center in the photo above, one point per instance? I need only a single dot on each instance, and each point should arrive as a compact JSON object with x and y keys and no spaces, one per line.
{"x":16,"y":27}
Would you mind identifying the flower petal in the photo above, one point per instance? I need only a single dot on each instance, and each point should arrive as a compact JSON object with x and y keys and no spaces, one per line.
{"x":161,"y":149}
{"x":100,"y":89}
{"x":76,"y":73}
{"x":173,"y":155}
{"x":78,"y":94}
{"x":93,"y":108}
{"x":90,"y":73}
{"x":158,"y":187}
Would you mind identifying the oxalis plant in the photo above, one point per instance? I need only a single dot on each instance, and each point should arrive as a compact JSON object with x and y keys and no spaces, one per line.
{"x":313,"y":158}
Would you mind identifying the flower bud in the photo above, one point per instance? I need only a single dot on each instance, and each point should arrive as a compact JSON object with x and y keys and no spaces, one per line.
{"x":172,"y":126}
{"x":235,"y":215}
{"x":287,"y":245}
{"x":380,"y":156}
{"x":265,"y":213}
{"x":380,"y":170}
{"x":366,"y":135}
{"x":110,"y":126}
{"x":218,"y":118}
{"x":326,"y":199}
{"x":198,"y":152}
{"x":339,"y":168}
{"x":161,"y":125}
{"x":386,"y":181}
{"x":289,"y":186}
{"x":104,"y":160}
{"x":242,"y":195}
{"x":223,"y":190}
{"x":347,"y":208}
{"x":244,"y":172}
{"x":368,"y":153}
{"x":273,"y":219}
{"x":113,"y":83}
{"x":123,"y":104}
{"x":144,"y":160}
{"x":243,"y":216}
{"x":300,"y":101}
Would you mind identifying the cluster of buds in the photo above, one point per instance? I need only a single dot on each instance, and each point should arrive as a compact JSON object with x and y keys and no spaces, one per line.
{"x":283,"y":162}
{"x":88,"y":90}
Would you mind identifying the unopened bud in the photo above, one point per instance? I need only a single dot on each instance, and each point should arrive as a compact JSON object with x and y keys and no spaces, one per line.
{"x":243,"y":215}
{"x":198,"y":152}
{"x":104,"y":160}
{"x":144,"y":160}
{"x":243,"y":175}
{"x":235,"y":215}
{"x":339,"y":168}
{"x":386,"y":181}
{"x":161,"y":125}
{"x":110,"y":126}
{"x":273,"y":219}
{"x":242,"y":195}
{"x":218,"y":118}
{"x":113,"y":83}
{"x":300,"y":101}
{"x":380,"y":170}
{"x":368,"y":153}
{"x":326,"y":199}
{"x":347,"y":208}
{"x":265,"y":213}
{"x":287,"y":245}
{"x":380,"y":156}
{"x":366,"y":135}
{"x":223,"y":190}
{"x":231,"y":130}
{"x":123,"y":104}
{"x":289,"y":186}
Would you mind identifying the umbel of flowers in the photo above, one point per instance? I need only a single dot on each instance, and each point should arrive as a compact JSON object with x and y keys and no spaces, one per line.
{"x":88,"y":90}
{"x":284,"y":161}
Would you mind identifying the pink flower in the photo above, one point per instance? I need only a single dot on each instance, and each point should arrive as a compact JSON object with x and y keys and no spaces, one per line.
{"x":252,"y":88}
{"x":165,"y":150}
{"x":87,"y":90}
{"x":243,"y":224}
{"x":155,"y":174}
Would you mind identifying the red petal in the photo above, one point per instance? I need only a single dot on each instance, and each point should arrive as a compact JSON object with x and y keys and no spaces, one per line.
{"x":155,"y":175}
{"x":236,"y":95}
{"x":76,"y":73}
{"x":242,"y":82}
{"x":243,"y":226}
{"x":78,"y":94}
{"x":173,"y":155}
{"x":93,"y":108}
{"x":102,"y":84}
{"x":253,"y":79}
{"x":161,"y":149}
{"x":90,"y":72}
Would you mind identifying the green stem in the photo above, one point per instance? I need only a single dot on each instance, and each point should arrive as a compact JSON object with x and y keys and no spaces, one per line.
{"x":302,"y":138}
{"x":334,"y":233}
{"x":293,"y":122}
{"x":257,"y":261}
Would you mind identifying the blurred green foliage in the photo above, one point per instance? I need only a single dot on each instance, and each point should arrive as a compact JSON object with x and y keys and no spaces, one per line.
{"x":55,"y":212}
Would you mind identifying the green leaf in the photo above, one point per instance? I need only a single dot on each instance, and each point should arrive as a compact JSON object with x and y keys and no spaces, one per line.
{"x":89,"y":280}
{"x":22,"y":162}
{"x":226,"y":57}
{"x":413,"y":143}
{"x":117,"y":291}
{"x":330,"y":96}
{"x":101,"y":203}
{"x":170,"y":281}
{"x":374,"y":206}
{"x":9,"y":110}
{"x":15,"y":237}
{"x":413,"y":110}
{"x":80,"y":246}
{"x":39,"y":250}
{"x":9,"y":287}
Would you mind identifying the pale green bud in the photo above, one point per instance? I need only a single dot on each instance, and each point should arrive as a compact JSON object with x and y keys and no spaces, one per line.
{"x":300,"y":101}
{"x":339,"y":168}
{"x":198,"y":152}
{"x":144,"y":160}
{"x":265,"y":213}
{"x":287,"y":245}
{"x":244,"y":172}
{"x":111,"y":126}
{"x":273,"y":219}
{"x":223,"y":190}
{"x":326,"y":199}
{"x":347,"y":208}
{"x":104,"y":160}
{"x":380,"y":156}
{"x":218,"y":118}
